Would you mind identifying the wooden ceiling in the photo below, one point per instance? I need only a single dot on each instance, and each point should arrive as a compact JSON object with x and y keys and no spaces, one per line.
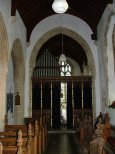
{"x":33,"y":11}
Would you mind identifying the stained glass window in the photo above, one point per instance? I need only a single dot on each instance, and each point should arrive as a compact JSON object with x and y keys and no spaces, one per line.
{"x":65,"y":69}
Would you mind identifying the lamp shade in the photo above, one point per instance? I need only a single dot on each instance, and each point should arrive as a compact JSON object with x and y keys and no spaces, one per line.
{"x":62,"y":58}
{"x":60,"y":6}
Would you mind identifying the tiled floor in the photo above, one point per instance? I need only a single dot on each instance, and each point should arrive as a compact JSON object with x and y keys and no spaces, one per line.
{"x":62,"y":143}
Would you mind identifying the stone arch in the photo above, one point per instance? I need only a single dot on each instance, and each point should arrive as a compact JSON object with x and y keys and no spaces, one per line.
{"x":47,"y":36}
{"x":69,"y":33}
{"x":4,"y":47}
{"x":19,"y":78}
{"x":18,"y":60}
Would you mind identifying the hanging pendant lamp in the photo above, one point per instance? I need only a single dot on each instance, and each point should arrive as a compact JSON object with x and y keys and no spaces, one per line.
{"x":60,"y":6}
{"x":62,"y":57}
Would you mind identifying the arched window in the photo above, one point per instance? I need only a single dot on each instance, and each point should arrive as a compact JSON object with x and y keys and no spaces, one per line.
{"x":66,"y":69}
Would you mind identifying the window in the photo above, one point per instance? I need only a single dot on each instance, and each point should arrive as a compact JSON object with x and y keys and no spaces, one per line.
{"x":65,"y":69}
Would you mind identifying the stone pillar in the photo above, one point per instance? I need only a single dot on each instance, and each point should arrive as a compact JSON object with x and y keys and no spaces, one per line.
{"x":2,"y":99}
{"x":19,"y":109}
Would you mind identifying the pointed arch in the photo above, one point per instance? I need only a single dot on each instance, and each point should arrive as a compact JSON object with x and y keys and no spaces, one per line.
{"x":69,"y":33}
{"x":3,"y":44}
{"x":18,"y":60}
{"x":77,"y":38}
{"x":19,"y":79}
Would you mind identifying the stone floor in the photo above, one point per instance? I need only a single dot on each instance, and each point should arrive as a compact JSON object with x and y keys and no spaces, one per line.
{"x":63,"y":142}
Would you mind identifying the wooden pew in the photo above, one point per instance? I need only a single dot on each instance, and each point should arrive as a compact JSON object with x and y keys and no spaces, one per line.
{"x":13,"y":145}
{"x":42,"y":128}
{"x":29,"y":139}
{"x":41,"y":134}
{"x":100,"y":142}
{"x":14,"y":128}
{"x":96,"y":146}
{"x":38,"y":134}
{"x":1,"y":148}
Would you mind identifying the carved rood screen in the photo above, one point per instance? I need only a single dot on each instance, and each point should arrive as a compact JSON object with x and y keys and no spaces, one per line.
{"x":46,"y":93}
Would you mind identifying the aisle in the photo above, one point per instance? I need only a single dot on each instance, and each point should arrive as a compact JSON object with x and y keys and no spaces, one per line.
{"x":62,"y":143}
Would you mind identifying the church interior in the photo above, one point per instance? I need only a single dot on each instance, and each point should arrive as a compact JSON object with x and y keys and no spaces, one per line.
{"x":57,"y":77}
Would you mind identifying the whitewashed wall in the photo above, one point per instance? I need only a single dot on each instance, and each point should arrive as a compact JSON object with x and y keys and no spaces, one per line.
{"x":10,"y":89}
{"x":103,"y":57}
{"x":111,"y":69}
{"x":10,"y":82}
{"x":14,"y":26}
{"x":15,"y":29}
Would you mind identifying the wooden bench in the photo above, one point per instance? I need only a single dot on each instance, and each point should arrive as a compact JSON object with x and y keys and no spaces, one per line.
{"x":28,"y":136}
{"x":42,"y":127}
{"x":29,"y":139}
{"x":101,"y":142}
{"x":39,"y":133}
{"x":14,"y":145}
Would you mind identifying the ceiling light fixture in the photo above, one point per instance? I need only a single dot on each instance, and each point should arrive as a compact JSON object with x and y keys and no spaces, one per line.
{"x":60,"y":6}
